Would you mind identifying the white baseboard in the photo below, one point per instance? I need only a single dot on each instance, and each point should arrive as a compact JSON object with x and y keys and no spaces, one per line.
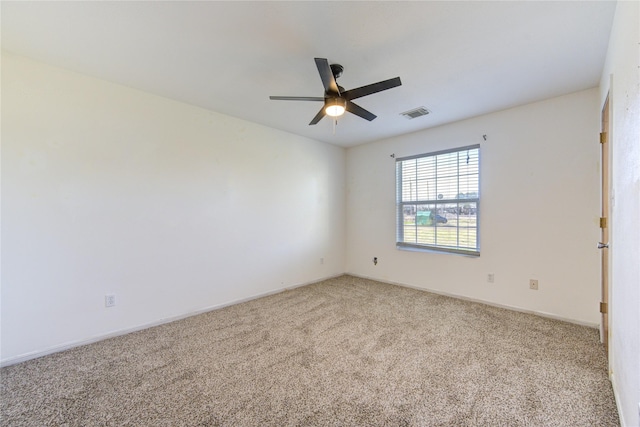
{"x":72,"y":344}
{"x":480,"y":301}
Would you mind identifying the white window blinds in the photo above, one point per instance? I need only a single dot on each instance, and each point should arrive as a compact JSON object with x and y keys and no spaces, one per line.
{"x":437,"y":201}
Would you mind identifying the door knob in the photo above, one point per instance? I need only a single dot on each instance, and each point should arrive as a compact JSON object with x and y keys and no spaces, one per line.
{"x":602,"y":245}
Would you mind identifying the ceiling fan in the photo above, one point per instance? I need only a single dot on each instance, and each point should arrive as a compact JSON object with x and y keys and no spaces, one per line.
{"x":336,"y":99}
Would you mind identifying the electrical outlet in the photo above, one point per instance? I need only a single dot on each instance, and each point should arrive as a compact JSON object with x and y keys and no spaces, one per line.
{"x":109,"y":300}
{"x":533,"y":284}
{"x":491,"y":278}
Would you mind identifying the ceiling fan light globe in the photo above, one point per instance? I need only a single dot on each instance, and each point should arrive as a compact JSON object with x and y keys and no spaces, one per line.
{"x":334,"y":110}
{"x":335,"y":106}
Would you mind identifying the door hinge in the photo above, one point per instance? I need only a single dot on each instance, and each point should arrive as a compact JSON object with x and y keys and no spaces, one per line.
{"x":603,"y":137}
{"x":603,"y":222}
{"x":603,"y":307}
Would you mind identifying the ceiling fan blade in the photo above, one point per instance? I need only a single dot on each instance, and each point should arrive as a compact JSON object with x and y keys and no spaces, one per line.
{"x":328,"y":81}
{"x":297,"y":98}
{"x":359,"y":111}
{"x":318,"y":116}
{"x":372,"y":88}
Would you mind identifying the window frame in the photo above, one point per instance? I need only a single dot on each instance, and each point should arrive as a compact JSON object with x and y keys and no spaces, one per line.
{"x":400,"y":204}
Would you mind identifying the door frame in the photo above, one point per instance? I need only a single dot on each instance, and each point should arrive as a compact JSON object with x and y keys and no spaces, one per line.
{"x":605,"y":234}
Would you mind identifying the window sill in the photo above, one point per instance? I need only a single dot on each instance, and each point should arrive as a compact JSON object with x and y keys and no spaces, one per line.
{"x":435,"y":250}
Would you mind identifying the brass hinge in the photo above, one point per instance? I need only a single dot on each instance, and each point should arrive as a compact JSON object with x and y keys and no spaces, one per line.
{"x":603,"y":307}
{"x":603,"y":137}
{"x":603,"y":222}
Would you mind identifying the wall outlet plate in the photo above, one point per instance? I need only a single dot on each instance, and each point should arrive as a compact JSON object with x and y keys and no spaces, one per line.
{"x":109,"y":300}
{"x":533,"y":284}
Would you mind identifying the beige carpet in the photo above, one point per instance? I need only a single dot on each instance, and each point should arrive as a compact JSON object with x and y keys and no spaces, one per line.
{"x":343,"y":352}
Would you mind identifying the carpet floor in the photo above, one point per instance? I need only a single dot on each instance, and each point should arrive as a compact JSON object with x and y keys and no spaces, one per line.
{"x":342,"y":352}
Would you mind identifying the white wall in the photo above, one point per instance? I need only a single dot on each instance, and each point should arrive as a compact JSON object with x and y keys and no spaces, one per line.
{"x":539,"y":209}
{"x":621,"y":80}
{"x":172,"y":208}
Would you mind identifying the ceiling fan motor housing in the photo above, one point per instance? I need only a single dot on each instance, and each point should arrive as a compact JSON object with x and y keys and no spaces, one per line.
{"x":335,"y":100}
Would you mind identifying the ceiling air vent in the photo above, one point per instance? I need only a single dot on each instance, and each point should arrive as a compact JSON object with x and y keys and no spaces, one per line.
{"x":416,"y":112}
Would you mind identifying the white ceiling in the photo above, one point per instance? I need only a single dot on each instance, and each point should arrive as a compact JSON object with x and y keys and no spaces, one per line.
{"x":458,"y":59}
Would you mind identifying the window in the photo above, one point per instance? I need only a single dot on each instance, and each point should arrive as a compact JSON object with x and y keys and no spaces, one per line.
{"x":437,"y":201}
